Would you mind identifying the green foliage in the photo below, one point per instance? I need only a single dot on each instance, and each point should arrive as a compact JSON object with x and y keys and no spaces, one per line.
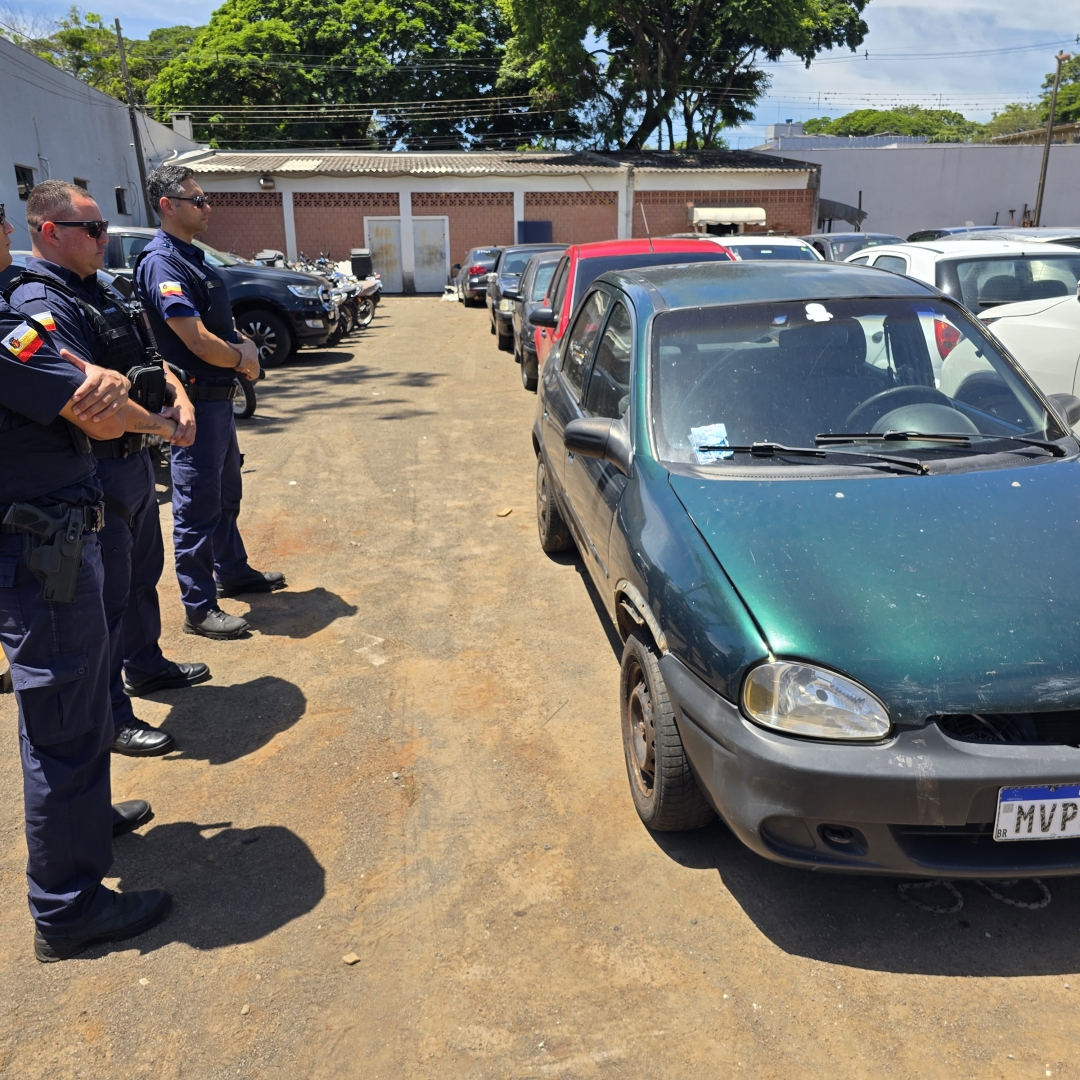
{"x":656,"y":57}
{"x":326,"y":53}
{"x":1019,"y":116}
{"x":1068,"y":102}
{"x":937,"y":125}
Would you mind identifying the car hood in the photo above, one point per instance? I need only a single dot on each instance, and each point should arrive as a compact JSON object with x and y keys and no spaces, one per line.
{"x":273,"y":275}
{"x":948,"y":593}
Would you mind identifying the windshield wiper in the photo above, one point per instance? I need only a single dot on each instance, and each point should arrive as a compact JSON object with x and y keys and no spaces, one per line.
{"x":854,"y":457}
{"x":959,"y":439}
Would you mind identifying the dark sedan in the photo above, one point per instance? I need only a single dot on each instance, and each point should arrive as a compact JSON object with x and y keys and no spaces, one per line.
{"x":531,"y":293}
{"x":836,"y":247}
{"x":504,"y":286}
{"x":834,"y":524}
{"x":470,"y":277}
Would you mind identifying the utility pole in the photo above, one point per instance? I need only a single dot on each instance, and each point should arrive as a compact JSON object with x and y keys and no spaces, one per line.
{"x":136,"y":133}
{"x":1061,"y":58}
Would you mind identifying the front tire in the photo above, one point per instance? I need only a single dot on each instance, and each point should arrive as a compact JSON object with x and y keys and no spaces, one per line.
{"x":365,"y":312}
{"x":272,"y":337}
{"x":664,"y":789}
{"x":529,"y":374}
{"x":554,"y":533}
{"x":244,"y":403}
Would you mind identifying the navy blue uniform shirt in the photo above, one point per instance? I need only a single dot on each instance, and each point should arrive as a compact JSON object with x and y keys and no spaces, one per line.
{"x":174,"y":282}
{"x":37,"y":452}
{"x":72,"y":328}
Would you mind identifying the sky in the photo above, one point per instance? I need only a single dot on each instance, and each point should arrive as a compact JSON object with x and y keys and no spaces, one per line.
{"x":969,"y":55}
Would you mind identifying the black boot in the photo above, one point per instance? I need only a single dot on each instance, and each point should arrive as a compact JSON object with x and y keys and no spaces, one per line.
{"x":125,"y":916}
{"x":129,"y":815}
{"x":171,"y":677}
{"x":217,"y":625}
{"x":257,"y":582}
{"x":139,"y":739}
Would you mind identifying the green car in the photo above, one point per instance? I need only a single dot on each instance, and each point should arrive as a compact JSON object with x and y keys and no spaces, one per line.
{"x":834,"y":524}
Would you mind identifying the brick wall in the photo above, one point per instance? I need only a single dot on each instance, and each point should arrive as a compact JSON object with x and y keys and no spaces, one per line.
{"x":332,"y":222}
{"x":477,"y":218}
{"x":788,"y":210}
{"x":577,"y":217}
{"x":245,"y":222}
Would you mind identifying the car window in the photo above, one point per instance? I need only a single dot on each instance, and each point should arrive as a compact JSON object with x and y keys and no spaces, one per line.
{"x":588,"y":270}
{"x":774,"y":251}
{"x":541,"y":280}
{"x":787,"y":372}
{"x":985,"y":283}
{"x":843,"y":248}
{"x":130,"y":246}
{"x":609,"y":384}
{"x":558,"y":292}
{"x":895,"y":264}
{"x":821,"y":249}
{"x":578,"y":346}
{"x":514,"y":262}
{"x":861,"y":260}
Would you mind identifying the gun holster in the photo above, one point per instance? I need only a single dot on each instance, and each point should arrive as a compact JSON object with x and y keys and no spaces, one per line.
{"x":56,"y":558}
{"x":148,"y":386}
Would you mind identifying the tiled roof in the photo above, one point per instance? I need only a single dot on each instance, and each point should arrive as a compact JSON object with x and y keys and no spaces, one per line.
{"x":481,"y":163}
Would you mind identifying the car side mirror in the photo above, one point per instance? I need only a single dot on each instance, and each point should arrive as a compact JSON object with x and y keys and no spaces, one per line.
{"x":607,"y":440}
{"x":543,"y":316}
{"x":491,"y":276}
{"x":124,"y":286}
{"x":511,"y":294}
{"x":1067,"y":406}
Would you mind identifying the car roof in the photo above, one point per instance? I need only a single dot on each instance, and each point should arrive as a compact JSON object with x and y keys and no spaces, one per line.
{"x":960,"y":248}
{"x":132,"y":230}
{"x":719,"y":283}
{"x":850,"y":235}
{"x":758,"y":238}
{"x":1032,"y":236}
{"x":603,"y":248}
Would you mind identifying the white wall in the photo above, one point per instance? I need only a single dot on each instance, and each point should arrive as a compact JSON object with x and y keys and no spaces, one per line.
{"x":62,"y":128}
{"x":932,"y":185}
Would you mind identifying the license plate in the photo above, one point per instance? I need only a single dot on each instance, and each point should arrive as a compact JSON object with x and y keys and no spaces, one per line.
{"x":1051,"y":812}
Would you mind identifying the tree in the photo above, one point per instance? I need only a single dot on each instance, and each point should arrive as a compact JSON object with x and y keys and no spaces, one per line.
{"x":1068,"y":102}
{"x":1019,"y":116}
{"x":282,"y":72}
{"x":619,"y":68}
{"x":937,"y":125}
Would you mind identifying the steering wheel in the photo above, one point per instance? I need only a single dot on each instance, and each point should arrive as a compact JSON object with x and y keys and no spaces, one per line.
{"x":864,"y":416}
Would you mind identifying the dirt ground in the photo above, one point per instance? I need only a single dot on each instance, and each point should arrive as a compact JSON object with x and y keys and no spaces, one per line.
{"x":416,"y":757}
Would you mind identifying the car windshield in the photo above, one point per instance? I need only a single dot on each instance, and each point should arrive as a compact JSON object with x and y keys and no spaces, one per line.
{"x":215,"y":257}
{"x":588,"y":270}
{"x":514,"y":262}
{"x":774,"y":251}
{"x":542,"y":280}
{"x":788,"y":372}
{"x":843,"y":248}
{"x":484,"y":255}
{"x":985,"y":283}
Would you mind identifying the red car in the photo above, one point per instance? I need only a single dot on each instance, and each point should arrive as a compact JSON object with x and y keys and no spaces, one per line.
{"x":584,"y":263}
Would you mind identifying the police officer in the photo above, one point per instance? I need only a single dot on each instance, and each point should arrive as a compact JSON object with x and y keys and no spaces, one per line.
{"x":60,"y":283}
{"x":191,"y":317}
{"x":52,"y":626}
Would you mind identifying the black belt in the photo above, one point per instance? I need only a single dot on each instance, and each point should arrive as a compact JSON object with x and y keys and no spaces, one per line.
{"x":123,"y":447}
{"x":212,"y":393}
{"x":93,"y":518}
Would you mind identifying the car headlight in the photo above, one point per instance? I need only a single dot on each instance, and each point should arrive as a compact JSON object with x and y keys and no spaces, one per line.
{"x":506,"y":305}
{"x":800,"y":699}
{"x":306,"y":292}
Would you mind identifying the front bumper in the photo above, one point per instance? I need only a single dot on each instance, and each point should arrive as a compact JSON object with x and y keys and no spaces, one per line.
{"x":312,"y":325}
{"x":919,"y":804}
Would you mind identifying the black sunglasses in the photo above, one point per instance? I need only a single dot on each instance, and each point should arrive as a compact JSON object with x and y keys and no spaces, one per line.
{"x":94,"y":228}
{"x":199,"y":200}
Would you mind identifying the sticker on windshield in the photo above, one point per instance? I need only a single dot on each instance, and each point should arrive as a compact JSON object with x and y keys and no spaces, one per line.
{"x":706,"y":440}
{"x":818,"y":313}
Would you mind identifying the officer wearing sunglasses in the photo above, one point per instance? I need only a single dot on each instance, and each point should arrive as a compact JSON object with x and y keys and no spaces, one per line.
{"x":60,"y":282}
{"x":53,"y":630}
{"x":192,"y":321}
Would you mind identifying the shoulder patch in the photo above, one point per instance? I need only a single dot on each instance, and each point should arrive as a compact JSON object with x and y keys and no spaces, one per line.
{"x":46,"y":319}
{"x":23,"y":342}
{"x":171,"y":288}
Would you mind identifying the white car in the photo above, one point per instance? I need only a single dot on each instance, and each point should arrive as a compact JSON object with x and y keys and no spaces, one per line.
{"x":1044,"y":336}
{"x":982,"y":274}
{"x":760,"y":246}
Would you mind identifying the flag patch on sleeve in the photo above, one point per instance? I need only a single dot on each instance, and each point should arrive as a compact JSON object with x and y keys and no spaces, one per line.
{"x":23,"y":342}
{"x":46,"y":319}
{"x":170,"y":288}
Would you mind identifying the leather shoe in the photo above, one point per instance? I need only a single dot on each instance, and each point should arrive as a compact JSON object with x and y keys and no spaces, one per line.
{"x":125,"y":916}
{"x":217,"y":625}
{"x":171,"y":677}
{"x":129,"y":815}
{"x":270,"y":581}
{"x":139,"y":739}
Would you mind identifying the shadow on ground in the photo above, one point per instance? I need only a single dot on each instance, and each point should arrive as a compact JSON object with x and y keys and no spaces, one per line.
{"x":296,"y":614}
{"x":228,"y":885}
{"x":218,"y":724}
{"x":862,"y":922}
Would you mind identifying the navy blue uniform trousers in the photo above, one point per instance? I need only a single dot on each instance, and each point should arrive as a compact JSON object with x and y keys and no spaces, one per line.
{"x":59,"y":656}
{"x":133,"y":557}
{"x":207,"y":490}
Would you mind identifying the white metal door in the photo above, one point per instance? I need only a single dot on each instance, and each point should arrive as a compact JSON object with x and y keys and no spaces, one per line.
{"x":431,"y":261}
{"x":383,"y":237}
